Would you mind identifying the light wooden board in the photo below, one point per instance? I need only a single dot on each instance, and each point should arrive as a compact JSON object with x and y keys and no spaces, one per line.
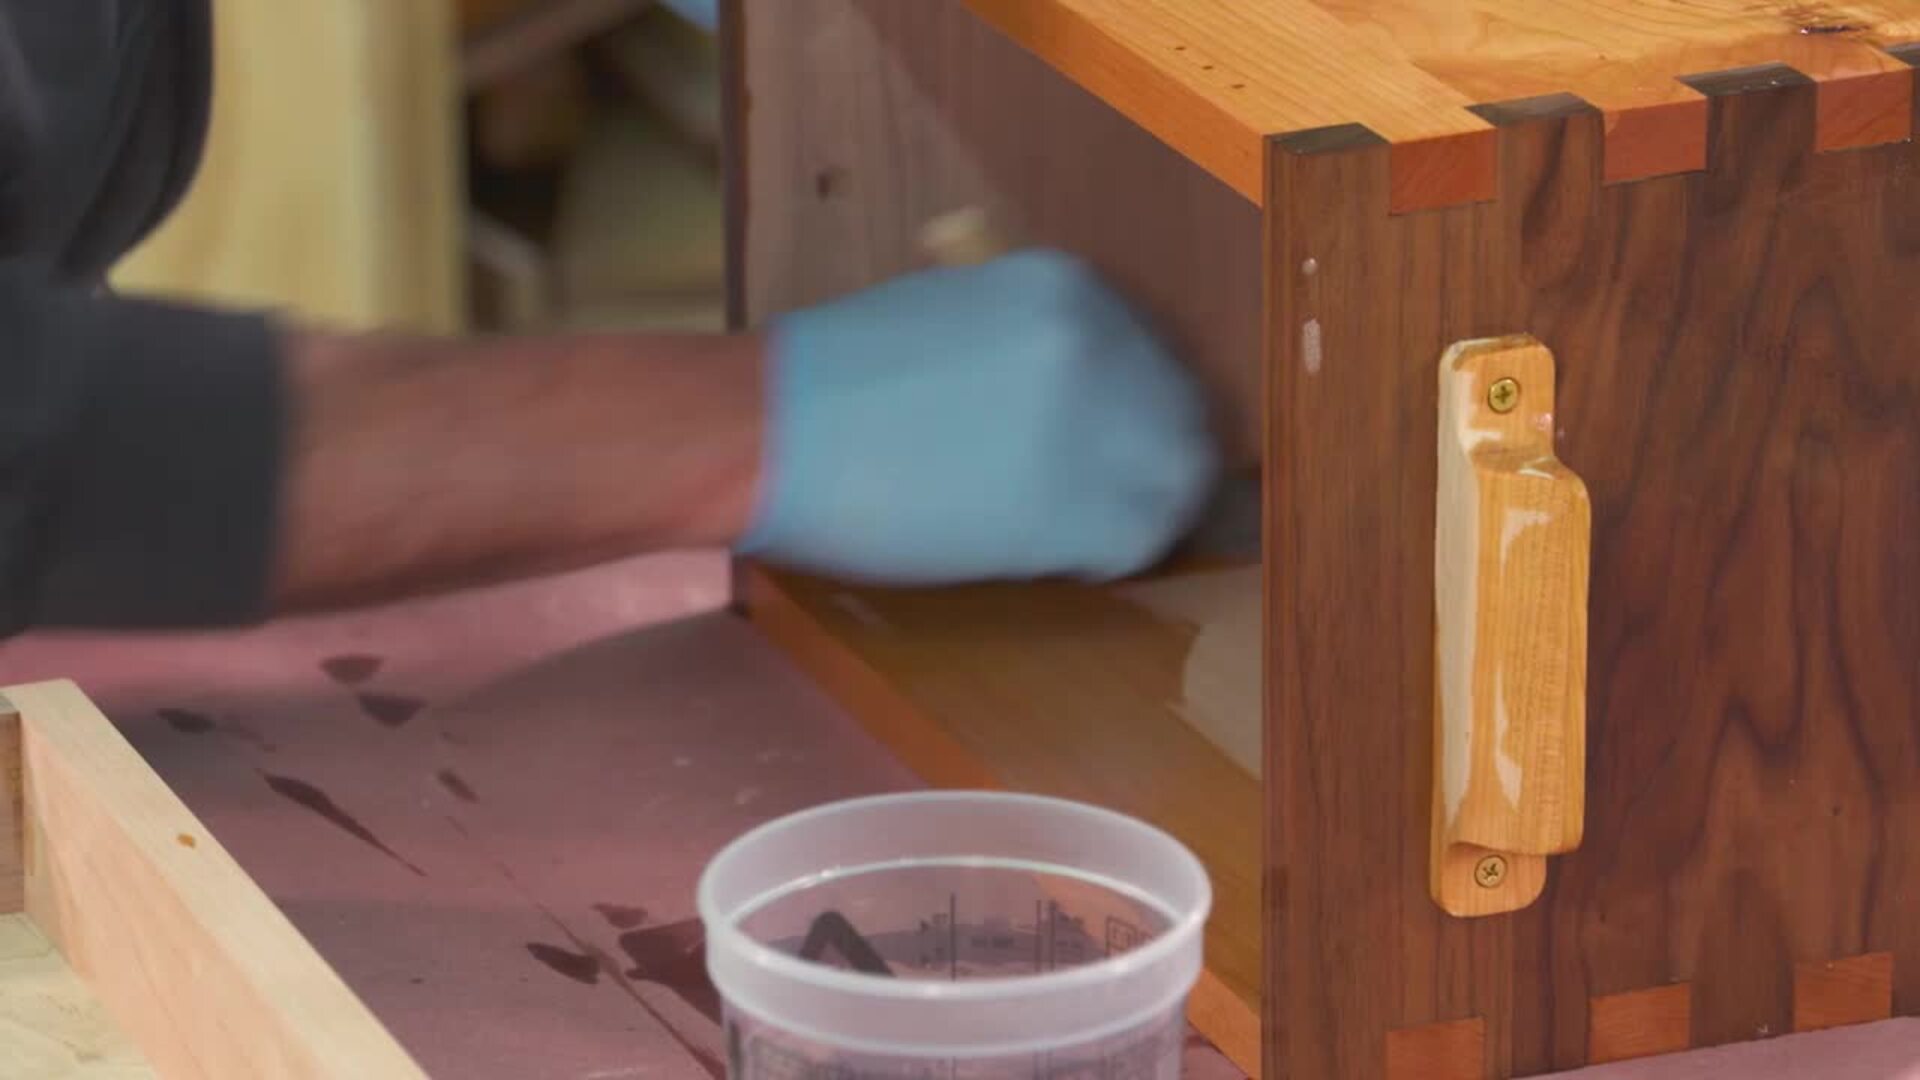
{"x":51,"y":1025}
{"x":331,"y":180}
{"x":1216,"y":77}
{"x":162,"y":926}
{"x":1055,"y":689}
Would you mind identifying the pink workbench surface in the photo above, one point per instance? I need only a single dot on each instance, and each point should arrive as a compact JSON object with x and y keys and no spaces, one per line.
{"x":488,"y":811}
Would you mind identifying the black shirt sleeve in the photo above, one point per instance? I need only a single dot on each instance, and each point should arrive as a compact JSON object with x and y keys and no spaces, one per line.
{"x":140,"y":442}
{"x":140,"y":445}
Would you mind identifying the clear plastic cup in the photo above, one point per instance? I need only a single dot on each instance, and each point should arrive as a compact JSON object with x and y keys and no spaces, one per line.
{"x":955,"y":935}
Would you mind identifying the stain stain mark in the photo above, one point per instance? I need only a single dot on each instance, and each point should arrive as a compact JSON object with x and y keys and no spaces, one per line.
{"x":321,"y":803}
{"x":583,"y":968}
{"x":714,"y":1067}
{"x":186,"y":840}
{"x":416,"y":981}
{"x":352,"y":669}
{"x":458,"y":787}
{"x":393,"y":710}
{"x":1831,"y":28}
{"x":673,"y":956}
{"x":621,"y":916}
{"x":186,"y":721}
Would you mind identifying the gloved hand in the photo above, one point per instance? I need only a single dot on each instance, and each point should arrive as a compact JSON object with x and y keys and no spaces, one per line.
{"x":1007,"y":420}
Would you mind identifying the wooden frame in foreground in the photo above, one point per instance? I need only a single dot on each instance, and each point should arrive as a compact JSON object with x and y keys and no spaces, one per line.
{"x":165,"y":958}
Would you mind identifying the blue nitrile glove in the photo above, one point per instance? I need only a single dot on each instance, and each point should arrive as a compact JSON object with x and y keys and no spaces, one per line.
{"x":1007,"y":420}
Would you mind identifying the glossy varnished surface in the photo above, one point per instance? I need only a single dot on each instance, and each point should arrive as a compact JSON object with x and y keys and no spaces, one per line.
{"x":1053,"y":688}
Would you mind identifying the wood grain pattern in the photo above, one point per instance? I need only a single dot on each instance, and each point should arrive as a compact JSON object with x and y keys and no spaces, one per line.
{"x":1213,"y":77}
{"x":1640,"y":1023}
{"x":1626,"y":56}
{"x":1449,"y":1051}
{"x":190,"y":958}
{"x":1735,"y":391}
{"x":1056,"y":689}
{"x":870,"y":118}
{"x":1223,"y":677}
{"x":50,"y":1024}
{"x":1835,"y":993}
{"x":1512,"y":532}
{"x":331,"y":182}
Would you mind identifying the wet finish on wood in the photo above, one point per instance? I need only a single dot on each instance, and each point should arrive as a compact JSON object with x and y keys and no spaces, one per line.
{"x":1512,"y":531}
{"x":1050,"y":688}
{"x":1736,"y":389}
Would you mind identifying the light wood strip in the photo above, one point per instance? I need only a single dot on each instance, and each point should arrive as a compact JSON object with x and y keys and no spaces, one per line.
{"x":206,"y":975}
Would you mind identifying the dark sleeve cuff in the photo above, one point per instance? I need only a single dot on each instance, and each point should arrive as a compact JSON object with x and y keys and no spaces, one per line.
{"x":161,"y":500}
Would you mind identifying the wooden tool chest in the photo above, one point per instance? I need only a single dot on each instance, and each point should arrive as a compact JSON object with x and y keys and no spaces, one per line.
{"x":1576,"y":345}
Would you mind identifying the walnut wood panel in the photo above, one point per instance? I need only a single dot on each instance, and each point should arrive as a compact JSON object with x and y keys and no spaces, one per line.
{"x":868,"y":118}
{"x":1737,"y":388}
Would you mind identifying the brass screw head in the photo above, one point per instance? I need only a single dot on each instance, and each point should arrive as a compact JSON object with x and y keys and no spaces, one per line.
{"x":1503,"y":395}
{"x":1491,"y":871}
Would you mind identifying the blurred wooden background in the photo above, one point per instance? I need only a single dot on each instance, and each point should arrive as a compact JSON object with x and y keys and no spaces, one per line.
{"x":453,"y":165}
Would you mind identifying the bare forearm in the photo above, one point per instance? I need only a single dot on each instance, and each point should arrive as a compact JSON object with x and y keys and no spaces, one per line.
{"x":419,"y":464}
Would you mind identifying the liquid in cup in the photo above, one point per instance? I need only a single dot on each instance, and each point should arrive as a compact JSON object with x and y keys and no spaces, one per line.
{"x":955,"y":935}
